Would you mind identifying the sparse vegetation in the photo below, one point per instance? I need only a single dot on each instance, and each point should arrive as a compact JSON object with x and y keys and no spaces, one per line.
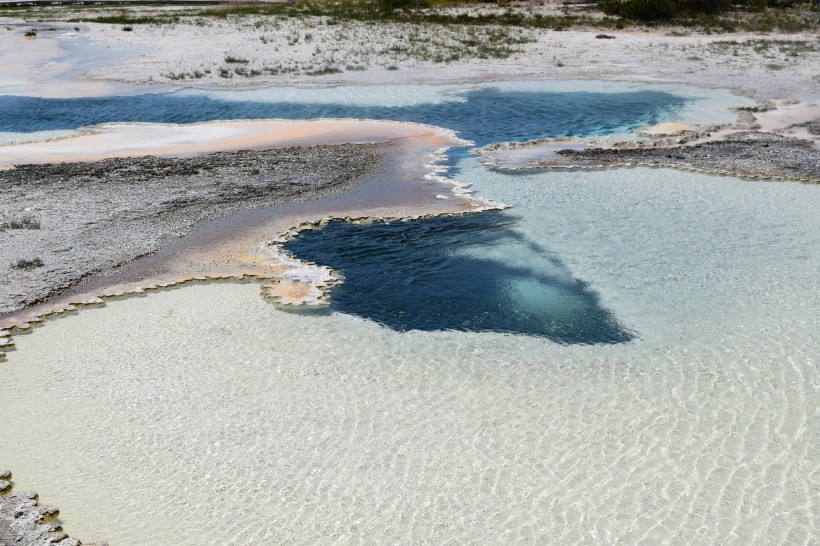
{"x":26,"y":264}
{"x":193,"y":75}
{"x":31,"y":33}
{"x":352,"y":46}
{"x":354,"y":35}
{"x":230,"y":59}
{"x":26,"y":222}
{"x":247,"y":73}
{"x":324,"y":71}
{"x":791,"y":48}
{"x":691,"y":10}
{"x":708,"y":15}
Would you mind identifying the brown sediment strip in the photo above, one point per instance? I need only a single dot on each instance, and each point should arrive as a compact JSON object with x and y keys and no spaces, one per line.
{"x":87,"y":218}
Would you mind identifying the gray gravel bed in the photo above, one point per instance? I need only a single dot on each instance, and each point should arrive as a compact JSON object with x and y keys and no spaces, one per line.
{"x":23,"y":522}
{"x":813,"y":126}
{"x":62,"y":223}
{"x":754,"y":154}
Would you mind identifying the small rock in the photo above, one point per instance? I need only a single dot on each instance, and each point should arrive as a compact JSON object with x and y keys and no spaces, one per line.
{"x":47,"y":512}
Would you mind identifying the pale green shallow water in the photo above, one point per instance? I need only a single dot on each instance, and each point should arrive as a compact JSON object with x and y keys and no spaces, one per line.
{"x":206,"y":416}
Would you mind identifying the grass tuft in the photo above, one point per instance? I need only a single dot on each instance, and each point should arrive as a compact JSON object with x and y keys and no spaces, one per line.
{"x":26,"y":222}
{"x":27,"y":264}
{"x":230,"y":59}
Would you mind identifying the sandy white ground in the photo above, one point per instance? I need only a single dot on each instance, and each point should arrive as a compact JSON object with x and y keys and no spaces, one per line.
{"x":172,"y":140}
{"x":703,"y":60}
{"x":281,"y":50}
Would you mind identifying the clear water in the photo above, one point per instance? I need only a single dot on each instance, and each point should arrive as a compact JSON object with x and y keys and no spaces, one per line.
{"x":471,"y":273}
{"x":477,"y":274}
{"x":484,"y":116}
{"x":206,"y":416}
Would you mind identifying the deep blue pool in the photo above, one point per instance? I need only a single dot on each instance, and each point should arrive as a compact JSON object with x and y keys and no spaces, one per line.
{"x":469,"y":273}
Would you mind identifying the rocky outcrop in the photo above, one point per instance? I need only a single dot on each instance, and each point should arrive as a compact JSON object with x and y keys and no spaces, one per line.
{"x":752,"y":154}
{"x":24,"y":522}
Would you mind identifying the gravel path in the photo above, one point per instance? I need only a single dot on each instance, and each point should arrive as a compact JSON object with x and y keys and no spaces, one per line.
{"x":752,"y":154}
{"x":62,"y":223}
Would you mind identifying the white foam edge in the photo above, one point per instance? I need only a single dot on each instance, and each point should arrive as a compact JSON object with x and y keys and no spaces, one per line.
{"x":459,"y":189}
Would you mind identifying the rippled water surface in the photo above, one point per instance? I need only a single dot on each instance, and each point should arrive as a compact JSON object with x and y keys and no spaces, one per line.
{"x":204,"y":415}
{"x":665,"y":389}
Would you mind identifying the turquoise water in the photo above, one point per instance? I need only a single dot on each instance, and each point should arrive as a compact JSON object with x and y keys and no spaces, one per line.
{"x":484,"y":115}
